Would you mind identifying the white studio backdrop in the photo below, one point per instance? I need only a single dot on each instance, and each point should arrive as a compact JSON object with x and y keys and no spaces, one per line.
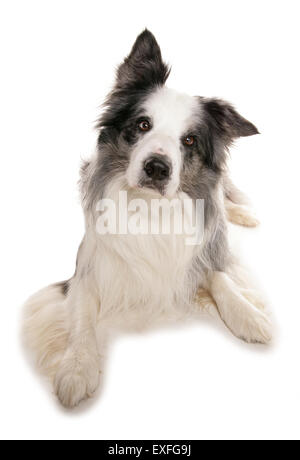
{"x":192,"y":381}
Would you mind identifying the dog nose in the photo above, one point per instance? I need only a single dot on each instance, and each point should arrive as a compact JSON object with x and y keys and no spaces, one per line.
{"x":157,"y":169}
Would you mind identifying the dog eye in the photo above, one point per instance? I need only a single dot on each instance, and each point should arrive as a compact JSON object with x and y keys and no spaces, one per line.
{"x":144,"y":125}
{"x":189,"y":140}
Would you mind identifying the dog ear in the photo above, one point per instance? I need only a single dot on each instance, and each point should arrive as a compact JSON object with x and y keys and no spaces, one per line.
{"x":144,"y":66}
{"x":226,"y":121}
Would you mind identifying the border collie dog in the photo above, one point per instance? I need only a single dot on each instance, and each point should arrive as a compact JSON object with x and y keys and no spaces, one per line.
{"x":154,"y":143}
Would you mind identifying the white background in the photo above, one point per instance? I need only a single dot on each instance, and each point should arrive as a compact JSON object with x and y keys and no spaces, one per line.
{"x":57,"y":64}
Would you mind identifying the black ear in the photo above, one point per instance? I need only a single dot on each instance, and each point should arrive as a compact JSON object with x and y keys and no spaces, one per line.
{"x":144,"y":66}
{"x":226,"y":121}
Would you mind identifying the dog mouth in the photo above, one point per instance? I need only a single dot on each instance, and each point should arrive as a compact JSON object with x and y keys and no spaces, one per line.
{"x":149,"y":186}
{"x":156,"y":174}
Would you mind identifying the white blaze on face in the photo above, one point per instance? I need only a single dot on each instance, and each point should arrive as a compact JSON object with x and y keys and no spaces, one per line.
{"x":171,"y":114}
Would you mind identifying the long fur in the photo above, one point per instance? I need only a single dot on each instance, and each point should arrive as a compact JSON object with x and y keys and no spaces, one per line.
{"x":46,"y":327}
{"x":132,"y":281}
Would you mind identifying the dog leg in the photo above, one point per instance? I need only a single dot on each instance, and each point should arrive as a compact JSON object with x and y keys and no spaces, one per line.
{"x":238,"y":312}
{"x":78,"y":375}
{"x":232,"y":193}
{"x":240,"y":215}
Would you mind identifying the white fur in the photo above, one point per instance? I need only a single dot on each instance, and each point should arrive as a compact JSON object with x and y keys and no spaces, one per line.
{"x":133,"y":281}
{"x":239,"y":310}
{"x":240,"y":214}
{"x":151,"y":270}
{"x":46,"y":327}
{"x":171,"y":114}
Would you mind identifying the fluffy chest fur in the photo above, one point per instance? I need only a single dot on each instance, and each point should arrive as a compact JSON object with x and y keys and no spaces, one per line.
{"x":142,"y":277}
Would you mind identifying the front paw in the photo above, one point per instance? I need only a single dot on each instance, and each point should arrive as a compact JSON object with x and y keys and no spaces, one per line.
{"x":247,"y":322}
{"x":253,"y":328}
{"x":241,"y":310}
{"x":240,"y":215}
{"x":76,"y":380}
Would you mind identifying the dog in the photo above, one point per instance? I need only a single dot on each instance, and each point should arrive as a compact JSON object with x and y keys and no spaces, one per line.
{"x":154,"y":142}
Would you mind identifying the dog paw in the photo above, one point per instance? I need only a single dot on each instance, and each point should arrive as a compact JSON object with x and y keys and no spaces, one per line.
{"x":252,"y":325}
{"x":75,"y":381}
{"x":256,"y":329}
{"x":241,"y":215}
{"x":241,"y":310}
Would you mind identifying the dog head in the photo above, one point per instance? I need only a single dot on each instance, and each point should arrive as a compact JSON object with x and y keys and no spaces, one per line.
{"x":164,"y":140}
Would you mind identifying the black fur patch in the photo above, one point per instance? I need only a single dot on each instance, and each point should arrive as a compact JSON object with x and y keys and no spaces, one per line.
{"x":219,"y":124}
{"x":141,"y":72}
{"x":226,"y":121}
{"x":64,"y":286}
{"x":144,"y":67}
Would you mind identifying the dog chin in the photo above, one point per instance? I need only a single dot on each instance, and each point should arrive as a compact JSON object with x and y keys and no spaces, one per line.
{"x":150,"y":191}
{"x":155,"y":192}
